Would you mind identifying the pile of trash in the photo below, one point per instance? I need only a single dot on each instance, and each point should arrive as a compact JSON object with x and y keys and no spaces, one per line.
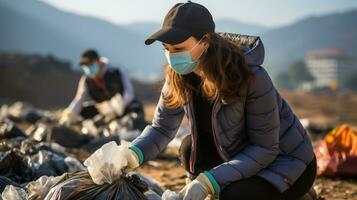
{"x":23,"y":160}
{"x":89,"y":134}
{"x":103,"y":178}
{"x":337,"y":153}
{"x":24,"y":112}
{"x":37,"y":163}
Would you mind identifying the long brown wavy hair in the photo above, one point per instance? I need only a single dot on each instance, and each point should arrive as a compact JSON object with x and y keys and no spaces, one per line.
{"x":226,"y":74}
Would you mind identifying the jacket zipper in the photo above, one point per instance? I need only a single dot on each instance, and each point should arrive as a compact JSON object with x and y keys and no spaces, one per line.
{"x":193,"y":146}
{"x":193,"y":143}
{"x":218,"y":147}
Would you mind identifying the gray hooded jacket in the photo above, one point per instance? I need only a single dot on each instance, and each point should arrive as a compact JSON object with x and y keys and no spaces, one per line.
{"x":258,"y":135}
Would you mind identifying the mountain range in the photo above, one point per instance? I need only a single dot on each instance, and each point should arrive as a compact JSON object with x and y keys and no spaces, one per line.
{"x":33,"y":26}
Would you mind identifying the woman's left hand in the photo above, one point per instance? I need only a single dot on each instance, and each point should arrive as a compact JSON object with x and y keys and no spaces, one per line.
{"x":198,"y":189}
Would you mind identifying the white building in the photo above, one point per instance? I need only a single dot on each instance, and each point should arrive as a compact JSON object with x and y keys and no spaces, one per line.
{"x":329,"y":67}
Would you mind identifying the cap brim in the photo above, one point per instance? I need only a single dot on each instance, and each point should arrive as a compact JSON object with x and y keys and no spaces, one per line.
{"x":168,"y":35}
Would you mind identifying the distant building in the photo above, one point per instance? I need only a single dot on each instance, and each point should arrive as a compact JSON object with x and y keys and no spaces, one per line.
{"x":329,"y":67}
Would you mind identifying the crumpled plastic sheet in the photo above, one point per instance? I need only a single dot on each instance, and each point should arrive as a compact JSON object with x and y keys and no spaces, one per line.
{"x":73,"y":164}
{"x":14,"y":193}
{"x":171,"y":195}
{"x":4,"y":181}
{"x":105,"y":165}
{"x":37,"y":190}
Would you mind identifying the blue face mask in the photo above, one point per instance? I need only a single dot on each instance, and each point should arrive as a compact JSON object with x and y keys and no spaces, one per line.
{"x":181,"y":62}
{"x":91,"y":70}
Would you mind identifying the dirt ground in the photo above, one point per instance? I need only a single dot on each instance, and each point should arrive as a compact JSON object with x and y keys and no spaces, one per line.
{"x":321,"y":108}
{"x":169,"y":173}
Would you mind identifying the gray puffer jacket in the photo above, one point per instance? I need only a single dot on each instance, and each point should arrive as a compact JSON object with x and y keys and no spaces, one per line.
{"x":259,"y":135}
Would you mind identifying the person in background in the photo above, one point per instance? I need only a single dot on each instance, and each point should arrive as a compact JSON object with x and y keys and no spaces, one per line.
{"x":103,"y":89}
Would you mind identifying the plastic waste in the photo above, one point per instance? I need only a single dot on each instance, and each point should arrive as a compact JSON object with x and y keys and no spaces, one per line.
{"x":336,"y":154}
{"x":47,"y":163}
{"x":98,"y":142}
{"x":171,"y":195}
{"x":37,"y":190}
{"x":4,"y":181}
{"x":73,"y":164}
{"x":62,"y":135}
{"x":9,"y":130}
{"x":20,"y":111}
{"x":105,"y":165}
{"x":89,"y":127}
{"x":23,"y":160}
{"x":13,"y":193}
{"x":80,"y":186}
{"x":152,"y":184}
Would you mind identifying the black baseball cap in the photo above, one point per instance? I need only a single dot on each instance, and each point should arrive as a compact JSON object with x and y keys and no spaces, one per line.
{"x":88,"y":55}
{"x":182,"y":21}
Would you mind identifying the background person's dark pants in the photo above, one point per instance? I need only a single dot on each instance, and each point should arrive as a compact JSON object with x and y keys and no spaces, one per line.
{"x":256,"y":187}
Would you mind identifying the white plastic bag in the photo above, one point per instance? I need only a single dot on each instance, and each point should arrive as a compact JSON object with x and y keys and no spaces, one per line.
{"x":118,"y":104}
{"x":171,"y":195}
{"x":112,"y":107}
{"x":106,"y":109}
{"x":106,"y":164}
{"x":38,"y":189}
{"x":13,"y":193}
{"x":73,"y":164}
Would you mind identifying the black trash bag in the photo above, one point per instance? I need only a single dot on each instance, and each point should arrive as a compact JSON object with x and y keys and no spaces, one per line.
{"x":35,"y":116}
{"x":152,"y":184}
{"x":9,"y":130}
{"x":98,"y":142}
{"x":65,"y":136}
{"x":68,"y":137}
{"x":13,"y":164}
{"x":132,"y":121}
{"x":24,"y":112}
{"x":24,"y":160}
{"x":31,"y":147}
{"x":4,"y":181}
{"x":47,"y":163}
{"x":80,"y":186}
{"x":8,"y":144}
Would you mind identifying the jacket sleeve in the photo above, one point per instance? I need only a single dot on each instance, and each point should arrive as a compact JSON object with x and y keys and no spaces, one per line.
{"x":262,"y":128}
{"x":155,"y":137}
{"x":82,"y":95}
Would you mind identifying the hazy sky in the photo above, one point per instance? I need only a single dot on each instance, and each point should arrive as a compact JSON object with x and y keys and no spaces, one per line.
{"x":264,"y":12}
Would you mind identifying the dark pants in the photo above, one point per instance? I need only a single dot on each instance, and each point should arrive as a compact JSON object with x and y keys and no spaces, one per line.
{"x":256,"y":187}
